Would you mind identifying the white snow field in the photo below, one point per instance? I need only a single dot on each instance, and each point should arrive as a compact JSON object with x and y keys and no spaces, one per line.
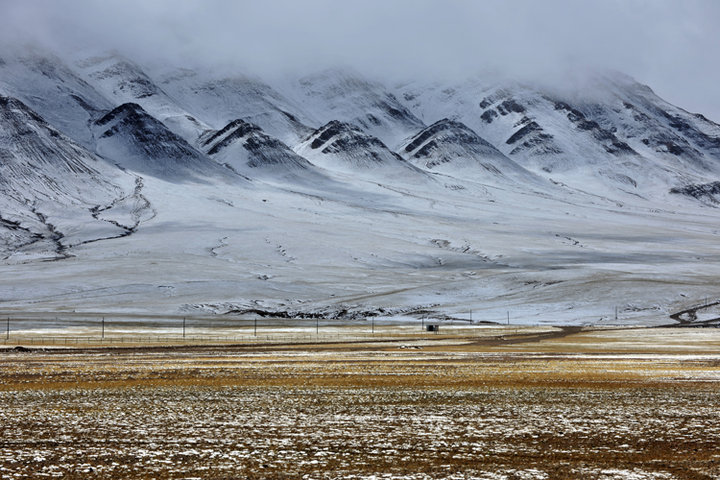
{"x":338,"y":196}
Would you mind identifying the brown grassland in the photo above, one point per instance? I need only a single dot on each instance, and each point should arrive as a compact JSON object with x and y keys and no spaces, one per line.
{"x":525,"y":404}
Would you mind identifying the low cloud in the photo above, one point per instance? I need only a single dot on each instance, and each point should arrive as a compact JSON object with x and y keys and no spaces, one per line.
{"x":666,"y":44}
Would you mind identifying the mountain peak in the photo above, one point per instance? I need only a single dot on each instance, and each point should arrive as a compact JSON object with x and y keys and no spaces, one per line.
{"x":125,"y":110}
{"x":233,"y":130}
{"x":453,"y":148}
{"x":448,"y":128}
{"x":138,"y":141}
{"x":338,"y":136}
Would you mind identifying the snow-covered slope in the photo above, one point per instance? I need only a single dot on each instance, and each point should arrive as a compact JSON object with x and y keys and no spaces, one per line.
{"x":348,"y":97}
{"x":342,"y":147}
{"x":220,"y":100}
{"x":136,"y":141}
{"x":48,"y":86}
{"x":601,"y":141}
{"x":248,"y":150}
{"x":123,"y":81}
{"x":685,"y":143}
{"x":450,"y":147}
{"x":52,"y":188}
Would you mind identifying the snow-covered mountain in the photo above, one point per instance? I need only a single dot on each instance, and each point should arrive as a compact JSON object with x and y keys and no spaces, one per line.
{"x":136,"y":141}
{"x":220,"y":100}
{"x":347,"y":96}
{"x":52,"y":188}
{"x":245,"y":148}
{"x":450,"y":147}
{"x":619,"y":136}
{"x":342,"y":147}
{"x":123,"y":81}
{"x":335,"y":194}
{"x":51,"y":88}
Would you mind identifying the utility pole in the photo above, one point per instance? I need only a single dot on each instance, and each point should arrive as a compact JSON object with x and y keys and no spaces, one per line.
{"x":317,"y":326}
{"x":102,"y":335}
{"x":422,"y":324}
{"x":373,"y":325}
{"x":616,"y":313}
{"x":255,"y":328}
{"x":7,"y":331}
{"x":183,"y":327}
{"x":508,"y":317}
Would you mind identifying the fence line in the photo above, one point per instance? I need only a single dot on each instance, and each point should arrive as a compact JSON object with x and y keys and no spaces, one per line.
{"x":107,"y":337}
{"x":117,"y":330}
{"x":209,"y":339}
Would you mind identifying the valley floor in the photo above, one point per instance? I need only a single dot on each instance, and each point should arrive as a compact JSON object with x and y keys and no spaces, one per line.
{"x":514,"y":403}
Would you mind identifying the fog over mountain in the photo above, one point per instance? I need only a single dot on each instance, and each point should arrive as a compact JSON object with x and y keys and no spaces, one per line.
{"x":321,"y":159}
{"x":661,"y":43}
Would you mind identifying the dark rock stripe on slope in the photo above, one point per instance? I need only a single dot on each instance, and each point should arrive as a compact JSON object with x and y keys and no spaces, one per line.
{"x":446,"y":133}
{"x":137,"y":141}
{"x":349,"y":143}
{"x":258,"y":150}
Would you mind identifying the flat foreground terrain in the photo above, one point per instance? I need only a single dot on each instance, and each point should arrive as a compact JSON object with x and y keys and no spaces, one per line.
{"x":524,"y":404}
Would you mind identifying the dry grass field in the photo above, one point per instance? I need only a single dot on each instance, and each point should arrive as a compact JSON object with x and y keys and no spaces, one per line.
{"x":516,"y":404}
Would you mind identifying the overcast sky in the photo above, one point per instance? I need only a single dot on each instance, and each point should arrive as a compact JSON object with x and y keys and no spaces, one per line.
{"x":671,"y":45}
